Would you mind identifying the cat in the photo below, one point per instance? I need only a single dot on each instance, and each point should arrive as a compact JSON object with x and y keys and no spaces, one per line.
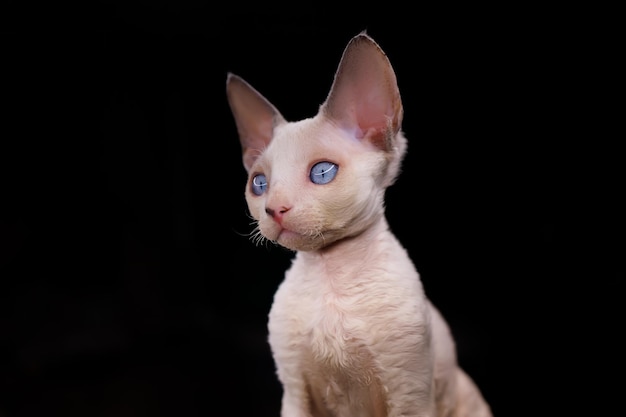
{"x":351,"y":330}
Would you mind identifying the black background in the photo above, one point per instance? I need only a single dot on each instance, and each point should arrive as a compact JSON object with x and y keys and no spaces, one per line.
{"x":128,"y":286}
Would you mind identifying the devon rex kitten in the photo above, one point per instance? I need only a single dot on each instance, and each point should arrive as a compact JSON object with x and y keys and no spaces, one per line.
{"x":351,"y":330}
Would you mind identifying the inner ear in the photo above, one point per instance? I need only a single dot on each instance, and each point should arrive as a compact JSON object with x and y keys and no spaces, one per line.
{"x":364,"y":96}
{"x":255,"y":117}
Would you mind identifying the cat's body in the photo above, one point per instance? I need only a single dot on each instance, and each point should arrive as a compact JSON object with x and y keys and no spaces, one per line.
{"x":351,"y":330}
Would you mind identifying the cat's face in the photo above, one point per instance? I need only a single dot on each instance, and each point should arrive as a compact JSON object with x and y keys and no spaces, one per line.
{"x":315,"y":184}
{"x":318,"y":180}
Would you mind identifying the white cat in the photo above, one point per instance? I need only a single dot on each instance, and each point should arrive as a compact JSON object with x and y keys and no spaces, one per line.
{"x":351,"y":330}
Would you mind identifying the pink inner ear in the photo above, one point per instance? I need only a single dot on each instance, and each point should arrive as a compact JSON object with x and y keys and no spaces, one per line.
{"x":373,"y":111}
{"x":364,"y":97}
{"x":254,"y":115}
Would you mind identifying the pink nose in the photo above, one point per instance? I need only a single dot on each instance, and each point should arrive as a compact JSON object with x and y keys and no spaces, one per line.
{"x":277,"y":215}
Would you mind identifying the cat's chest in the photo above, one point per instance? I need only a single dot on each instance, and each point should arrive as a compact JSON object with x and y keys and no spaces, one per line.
{"x":321,"y":319}
{"x":333,"y":314}
{"x":322,"y":296}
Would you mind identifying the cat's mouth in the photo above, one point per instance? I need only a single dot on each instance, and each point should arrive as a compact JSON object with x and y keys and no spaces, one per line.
{"x":294,"y":238}
{"x":285,"y":233}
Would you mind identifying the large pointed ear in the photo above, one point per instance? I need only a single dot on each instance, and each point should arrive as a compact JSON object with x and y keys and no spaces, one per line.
{"x":364,"y":96}
{"x":254,"y":115}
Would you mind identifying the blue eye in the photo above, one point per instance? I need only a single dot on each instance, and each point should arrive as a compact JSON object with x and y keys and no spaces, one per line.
{"x":258,"y":184}
{"x":323,"y":172}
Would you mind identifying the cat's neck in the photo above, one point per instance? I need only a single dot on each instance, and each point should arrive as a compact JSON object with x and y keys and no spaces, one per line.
{"x":354,"y":249}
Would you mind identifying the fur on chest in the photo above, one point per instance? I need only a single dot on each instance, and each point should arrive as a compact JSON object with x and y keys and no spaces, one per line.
{"x":324,"y":341}
{"x":349,"y":339}
{"x":347,"y":325}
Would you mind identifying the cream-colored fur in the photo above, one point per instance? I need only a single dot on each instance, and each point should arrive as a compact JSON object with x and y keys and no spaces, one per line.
{"x":351,"y":330}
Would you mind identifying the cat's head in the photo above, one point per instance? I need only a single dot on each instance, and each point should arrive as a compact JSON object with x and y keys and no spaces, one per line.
{"x":318,"y":180}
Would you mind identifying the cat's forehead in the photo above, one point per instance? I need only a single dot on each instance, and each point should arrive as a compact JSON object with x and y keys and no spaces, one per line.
{"x":311,"y":136}
{"x":293,"y":145}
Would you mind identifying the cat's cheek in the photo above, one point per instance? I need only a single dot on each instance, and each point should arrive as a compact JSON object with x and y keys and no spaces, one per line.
{"x":255,"y":205}
{"x":269,"y":229}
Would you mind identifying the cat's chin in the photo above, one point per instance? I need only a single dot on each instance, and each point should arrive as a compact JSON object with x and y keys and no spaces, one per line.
{"x":298,"y":242}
